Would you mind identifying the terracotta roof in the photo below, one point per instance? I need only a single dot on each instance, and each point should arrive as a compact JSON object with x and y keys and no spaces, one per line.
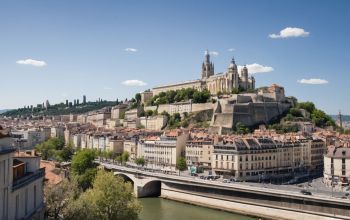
{"x":51,"y":173}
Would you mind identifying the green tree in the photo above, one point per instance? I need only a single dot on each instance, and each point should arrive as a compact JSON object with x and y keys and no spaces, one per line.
{"x":241,"y":128}
{"x":66,"y":153}
{"x":235,"y":91}
{"x":308,"y":106}
{"x":84,"y":168}
{"x":140,"y":161}
{"x":58,"y":197}
{"x":138,"y":97}
{"x":85,"y":179}
{"x":119,"y":159}
{"x":110,"y":198}
{"x":46,"y":151}
{"x":49,"y":148}
{"x":149,"y":113}
{"x":181,"y":164}
{"x":295,"y":112}
{"x":125,"y":156}
{"x":83,"y":160}
{"x":185,"y":123}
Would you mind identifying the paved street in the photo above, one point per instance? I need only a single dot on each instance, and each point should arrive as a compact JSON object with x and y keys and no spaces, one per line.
{"x":316,"y":186}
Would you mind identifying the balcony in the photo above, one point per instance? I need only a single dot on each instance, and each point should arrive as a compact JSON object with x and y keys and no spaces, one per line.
{"x":28,"y":178}
{"x":6,"y":150}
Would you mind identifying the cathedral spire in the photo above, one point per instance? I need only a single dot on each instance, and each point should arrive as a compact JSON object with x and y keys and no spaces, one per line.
{"x":233,"y":60}
{"x":207,"y":56}
{"x":207,"y":66}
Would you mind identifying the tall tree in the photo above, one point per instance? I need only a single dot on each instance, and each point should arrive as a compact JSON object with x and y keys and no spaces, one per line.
{"x":57,"y":198}
{"x":84,"y":168}
{"x":110,"y":198}
{"x":181,"y":164}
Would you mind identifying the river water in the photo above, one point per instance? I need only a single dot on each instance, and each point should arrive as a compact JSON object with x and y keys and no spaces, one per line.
{"x":164,"y":209}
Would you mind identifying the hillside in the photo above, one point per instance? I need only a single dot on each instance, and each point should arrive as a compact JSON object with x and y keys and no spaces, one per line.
{"x":58,"y":109}
{"x":4,"y":110}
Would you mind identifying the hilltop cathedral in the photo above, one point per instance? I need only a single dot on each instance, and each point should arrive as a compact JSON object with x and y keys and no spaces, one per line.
{"x":221,"y":82}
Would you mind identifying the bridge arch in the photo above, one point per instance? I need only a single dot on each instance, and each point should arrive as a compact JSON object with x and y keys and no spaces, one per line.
{"x":127,"y":178}
{"x":152,"y":188}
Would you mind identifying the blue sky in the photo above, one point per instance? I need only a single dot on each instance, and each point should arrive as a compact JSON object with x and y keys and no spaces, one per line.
{"x":82,"y":46}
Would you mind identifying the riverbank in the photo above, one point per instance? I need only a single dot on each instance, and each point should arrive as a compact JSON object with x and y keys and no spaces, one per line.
{"x":256,"y":211}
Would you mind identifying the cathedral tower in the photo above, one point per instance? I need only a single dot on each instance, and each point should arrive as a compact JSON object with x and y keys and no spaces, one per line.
{"x":207,"y":66}
{"x":244,"y":75}
{"x":233,"y":74}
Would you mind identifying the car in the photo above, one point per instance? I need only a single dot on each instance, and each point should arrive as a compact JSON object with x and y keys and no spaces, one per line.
{"x":305,"y":192}
{"x":194,"y":174}
{"x":232,"y":180}
{"x":226,"y":181}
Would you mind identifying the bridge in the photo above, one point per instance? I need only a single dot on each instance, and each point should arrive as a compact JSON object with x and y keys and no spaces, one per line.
{"x":249,"y":200}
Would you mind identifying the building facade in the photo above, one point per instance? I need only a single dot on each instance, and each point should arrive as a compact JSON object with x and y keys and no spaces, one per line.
{"x":337,"y":166}
{"x":257,"y":159}
{"x":21,"y":184}
{"x":164,"y":151}
{"x":198,"y":152}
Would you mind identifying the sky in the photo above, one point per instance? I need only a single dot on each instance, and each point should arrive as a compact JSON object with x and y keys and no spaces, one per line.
{"x":60,"y":49}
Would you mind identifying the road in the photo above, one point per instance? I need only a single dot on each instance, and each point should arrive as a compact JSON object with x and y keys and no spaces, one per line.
{"x":316,"y":187}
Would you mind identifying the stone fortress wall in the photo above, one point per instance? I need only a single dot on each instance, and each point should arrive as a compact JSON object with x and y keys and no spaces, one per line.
{"x":250,"y":109}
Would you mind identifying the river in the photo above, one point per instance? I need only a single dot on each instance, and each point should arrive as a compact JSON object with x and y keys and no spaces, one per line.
{"x":164,"y":209}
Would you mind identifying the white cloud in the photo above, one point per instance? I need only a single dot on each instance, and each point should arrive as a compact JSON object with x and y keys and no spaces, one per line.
{"x":257,"y":68}
{"x":290,"y":32}
{"x":107,"y":88}
{"x":231,"y":49}
{"x":132,"y":50}
{"x":214,"y":53}
{"x":38,"y":63}
{"x":313,"y":81}
{"x":134,"y":82}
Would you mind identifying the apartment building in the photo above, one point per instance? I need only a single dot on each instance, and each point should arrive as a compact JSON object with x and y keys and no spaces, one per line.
{"x":337,"y":166}
{"x":199,"y":151}
{"x":163,"y":152}
{"x":263,"y":158}
{"x":21,"y":184}
{"x":130,"y":146}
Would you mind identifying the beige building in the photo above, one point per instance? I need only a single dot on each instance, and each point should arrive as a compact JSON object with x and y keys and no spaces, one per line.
{"x":118,"y":111}
{"x":57,"y":132}
{"x":198,"y":152}
{"x":255,"y":159}
{"x":115,"y":146}
{"x":21,"y":184}
{"x":145,"y":96}
{"x":163,"y":152}
{"x":82,"y":119}
{"x":337,"y":166}
{"x":130,"y":146}
{"x":214,"y":83}
{"x":155,"y":123}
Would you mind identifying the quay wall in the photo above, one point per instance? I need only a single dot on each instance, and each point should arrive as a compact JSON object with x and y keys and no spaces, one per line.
{"x":251,"y":204}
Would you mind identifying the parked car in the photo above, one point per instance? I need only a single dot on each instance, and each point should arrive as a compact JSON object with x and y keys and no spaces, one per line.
{"x":305,"y":192}
{"x":233,"y":180}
